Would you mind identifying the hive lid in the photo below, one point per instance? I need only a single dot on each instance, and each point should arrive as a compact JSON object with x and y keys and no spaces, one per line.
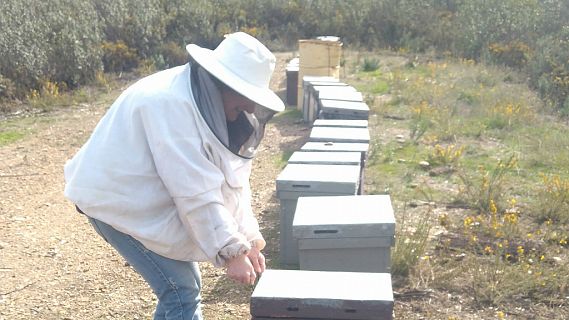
{"x":336,"y":146}
{"x":344,"y":217}
{"x":342,"y":95}
{"x":319,"y":78}
{"x":314,"y":157}
{"x":319,"y":178}
{"x":338,"y":134}
{"x":333,"y":88}
{"x":328,"y":83}
{"x":340,"y":123}
{"x":336,"y":105}
{"x":323,"y":295}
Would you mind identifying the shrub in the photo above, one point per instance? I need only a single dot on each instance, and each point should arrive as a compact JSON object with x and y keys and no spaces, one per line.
{"x":513,"y":54}
{"x":117,"y":57}
{"x":73,"y":40}
{"x":173,"y":54}
{"x":411,"y":242}
{"x":56,"y":40}
{"x":370,"y":64}
{"x":553,"y":204}
{"x":487,"y":186}
{"x":7,"y":88}
{"x":445,"y":155}
{"x":139,"y":24}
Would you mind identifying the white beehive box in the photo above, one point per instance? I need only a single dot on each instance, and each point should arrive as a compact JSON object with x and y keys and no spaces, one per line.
{"x":328,"y":146}
{"x":338,"y":134}
{"x":309,"y":180}
{"x":304,"y":86}
{"x":318,"y":93}
{"x":359,"y":147}
{"x":313,"y":157}
{"x":342,"y":123}
{"x":345,"y":233}
{"x":341,"y":95}
{"x":313,"y":88}
{"x":303,"y":295}
{"x":338,"y":109}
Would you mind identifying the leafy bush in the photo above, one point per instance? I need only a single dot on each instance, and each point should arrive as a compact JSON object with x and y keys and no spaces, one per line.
{"x":60,"y":40}
{"x":370,"y":64}
{"x":55,"y":40}
{"x":73,"y":40}
{"x":117,"y":57}
{"x":139,"y":24}
{"x":514,"y":54}
{"x":173,"y":54}
{"x":23,"y":58}
{"x":549,"y":70}
{"x":7,"y":88}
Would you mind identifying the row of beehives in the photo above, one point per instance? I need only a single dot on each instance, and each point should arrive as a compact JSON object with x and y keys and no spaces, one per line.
{"x":335,"y":242}
{"x":328,"y":98}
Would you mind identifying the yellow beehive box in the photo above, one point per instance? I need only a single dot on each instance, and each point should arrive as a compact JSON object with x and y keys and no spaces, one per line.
{"x":318,"y":57}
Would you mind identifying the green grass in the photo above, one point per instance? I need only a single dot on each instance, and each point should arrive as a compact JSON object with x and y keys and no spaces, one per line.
{"x":289,"y":113}
{"x":492,"y":114}
{"x":282,"y":159}
{"x":8,"y":137}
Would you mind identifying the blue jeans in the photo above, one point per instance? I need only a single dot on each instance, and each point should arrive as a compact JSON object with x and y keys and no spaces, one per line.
{"x":176,"y":283}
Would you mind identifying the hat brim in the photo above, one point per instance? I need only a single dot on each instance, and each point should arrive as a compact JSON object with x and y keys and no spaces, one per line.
{"x":264,"y":97}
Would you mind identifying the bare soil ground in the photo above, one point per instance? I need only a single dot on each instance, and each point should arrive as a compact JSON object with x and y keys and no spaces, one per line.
{"x":54,"y":266}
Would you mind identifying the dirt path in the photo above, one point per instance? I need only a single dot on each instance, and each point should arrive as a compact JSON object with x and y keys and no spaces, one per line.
{"x":54,"y":266}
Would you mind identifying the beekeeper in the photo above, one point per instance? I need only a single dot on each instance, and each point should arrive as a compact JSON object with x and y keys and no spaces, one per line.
{"x":164,"y":177}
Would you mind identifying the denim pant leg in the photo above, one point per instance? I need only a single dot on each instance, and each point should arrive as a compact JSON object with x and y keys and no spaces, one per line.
{"x":176,"y":283}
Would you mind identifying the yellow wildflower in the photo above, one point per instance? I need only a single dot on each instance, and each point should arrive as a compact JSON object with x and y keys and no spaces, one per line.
{"x":511,"y":218}
{"x":493,"y":207}
{"x":468,"y":221}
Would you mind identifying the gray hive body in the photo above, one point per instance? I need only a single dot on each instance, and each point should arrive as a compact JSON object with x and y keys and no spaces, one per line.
{"x":345,"y":233}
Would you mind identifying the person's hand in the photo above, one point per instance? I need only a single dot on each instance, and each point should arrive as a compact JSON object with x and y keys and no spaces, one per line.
{"x":257,"y":260}
{"x":241,"y":269}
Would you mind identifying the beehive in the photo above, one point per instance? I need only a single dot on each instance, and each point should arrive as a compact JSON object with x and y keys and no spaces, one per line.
{"x":345,"y":233}
{"x":298,"y":180}
{"x":303,"y":295}
{"x":318,"y":57}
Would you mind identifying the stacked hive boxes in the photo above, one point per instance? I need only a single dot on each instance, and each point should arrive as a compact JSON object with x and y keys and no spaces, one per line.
{"x":309,"y":180}
{"x":339,"y":239}
{"x":327,"y":98}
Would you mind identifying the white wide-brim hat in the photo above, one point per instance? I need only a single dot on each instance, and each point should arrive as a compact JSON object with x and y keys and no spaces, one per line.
{"x":244,"y":64}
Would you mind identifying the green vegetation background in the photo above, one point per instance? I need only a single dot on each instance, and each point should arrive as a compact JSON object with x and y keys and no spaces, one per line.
{"x":59,"y":44}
